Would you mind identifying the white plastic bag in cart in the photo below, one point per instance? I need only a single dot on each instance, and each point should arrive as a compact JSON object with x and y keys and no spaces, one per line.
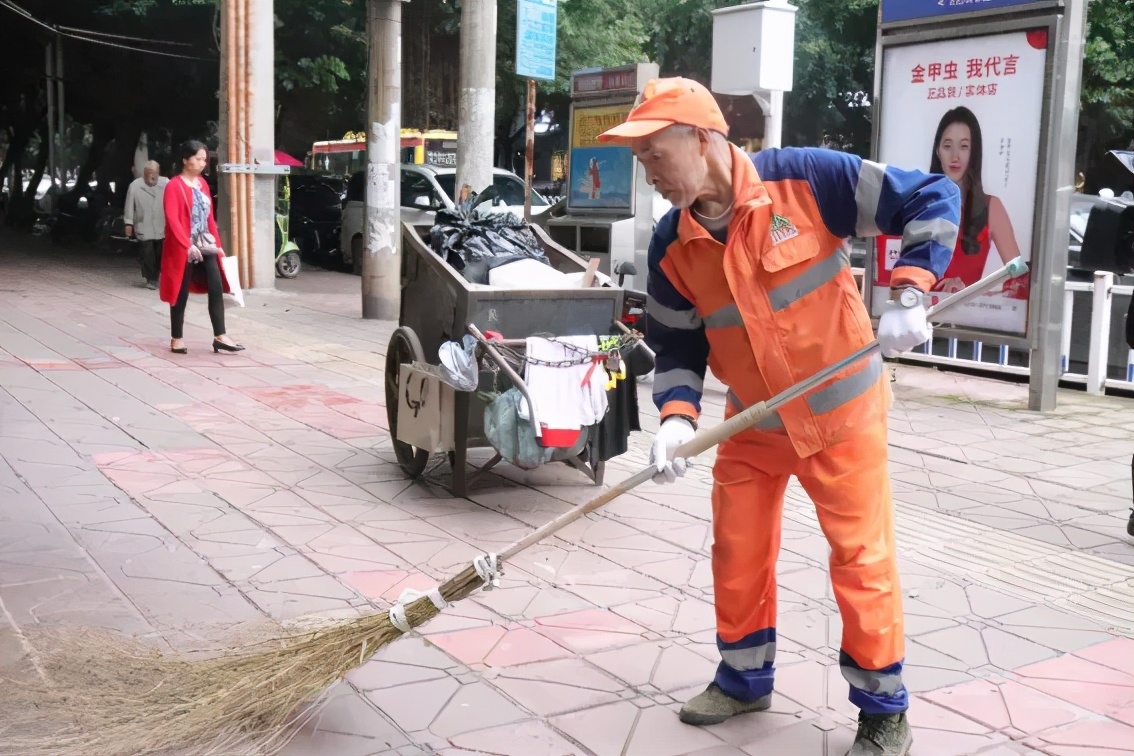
{"x":458,"y":363}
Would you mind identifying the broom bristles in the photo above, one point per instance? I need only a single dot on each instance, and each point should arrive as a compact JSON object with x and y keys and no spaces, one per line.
{"x":108,"y":695}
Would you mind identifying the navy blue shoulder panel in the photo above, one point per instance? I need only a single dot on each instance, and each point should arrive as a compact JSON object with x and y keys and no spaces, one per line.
{"x":665,"y":234}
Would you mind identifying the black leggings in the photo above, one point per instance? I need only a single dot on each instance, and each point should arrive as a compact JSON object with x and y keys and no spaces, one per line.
{"x":216,"y":299}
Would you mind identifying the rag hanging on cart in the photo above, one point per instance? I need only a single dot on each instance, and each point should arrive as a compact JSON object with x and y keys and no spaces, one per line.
{"x":567,"y":385}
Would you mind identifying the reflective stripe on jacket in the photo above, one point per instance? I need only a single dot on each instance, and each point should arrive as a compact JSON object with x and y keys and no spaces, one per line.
{"x":778,"y":302}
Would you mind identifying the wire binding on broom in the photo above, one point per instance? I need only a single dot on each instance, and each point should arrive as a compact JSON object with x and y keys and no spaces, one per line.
{"x":409,"y":595}
{"x":489,"y":570}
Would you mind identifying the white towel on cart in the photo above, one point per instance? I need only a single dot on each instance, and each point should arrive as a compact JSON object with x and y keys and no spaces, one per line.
{"x":566,"y":398}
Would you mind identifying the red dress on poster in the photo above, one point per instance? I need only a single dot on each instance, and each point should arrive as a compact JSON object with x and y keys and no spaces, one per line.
{"x":958,"y":152}
{"x":965,"y":270}
{"x":596,"y":181}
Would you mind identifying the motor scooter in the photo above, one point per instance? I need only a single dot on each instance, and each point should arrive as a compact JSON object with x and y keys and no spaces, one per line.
{"x":288,"y":259}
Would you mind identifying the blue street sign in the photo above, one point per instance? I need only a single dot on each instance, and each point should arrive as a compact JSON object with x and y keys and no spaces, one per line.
{"x":908,"y":10}
{"x":535,"y":39}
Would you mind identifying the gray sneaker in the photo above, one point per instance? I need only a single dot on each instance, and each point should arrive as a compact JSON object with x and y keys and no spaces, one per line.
{"x":713,"y":706}
{"x":882,"y":735}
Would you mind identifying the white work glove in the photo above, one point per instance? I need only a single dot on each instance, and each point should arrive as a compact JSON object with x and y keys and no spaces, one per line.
{"x":674,"y":432}
{"x":903,"y":327}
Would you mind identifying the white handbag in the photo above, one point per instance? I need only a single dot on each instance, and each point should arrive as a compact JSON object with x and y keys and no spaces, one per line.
{"x":232,"y":276}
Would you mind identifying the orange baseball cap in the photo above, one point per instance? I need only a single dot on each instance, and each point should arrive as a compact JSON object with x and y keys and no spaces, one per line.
{"x":667,"y":102}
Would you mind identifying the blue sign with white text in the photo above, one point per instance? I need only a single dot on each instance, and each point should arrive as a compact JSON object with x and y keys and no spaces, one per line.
{"x":535,"y":39}
{"x":908,"y":10}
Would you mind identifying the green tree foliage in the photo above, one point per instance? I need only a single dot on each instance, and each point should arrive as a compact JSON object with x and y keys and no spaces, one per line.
{"x":321,"y":66}
{"x":834,"y":64}
{"x":1106,"y":119}
{"x":834,"y":75}
{"x":591,"y":34}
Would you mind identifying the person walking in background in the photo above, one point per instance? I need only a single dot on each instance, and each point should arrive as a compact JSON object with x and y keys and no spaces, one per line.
{"x":144,"y":218}
{"x":192,"y":260}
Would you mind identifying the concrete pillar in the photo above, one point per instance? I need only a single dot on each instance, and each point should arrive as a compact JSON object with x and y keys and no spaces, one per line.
{"x":476,"y":129}
{"x":381,"y":259}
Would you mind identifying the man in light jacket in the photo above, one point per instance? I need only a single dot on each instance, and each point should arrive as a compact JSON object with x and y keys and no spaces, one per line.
{"x":144,"y":218}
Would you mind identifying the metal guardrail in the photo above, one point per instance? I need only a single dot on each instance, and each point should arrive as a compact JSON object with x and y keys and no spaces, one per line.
{"x":1102,"y":289}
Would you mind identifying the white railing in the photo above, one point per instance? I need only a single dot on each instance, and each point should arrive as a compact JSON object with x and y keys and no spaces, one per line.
{"x":1095,"y":380}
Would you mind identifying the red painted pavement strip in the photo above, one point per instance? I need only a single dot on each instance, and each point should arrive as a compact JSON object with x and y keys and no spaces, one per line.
{"x":338,"y":415}
{"x":99,"y":363}
{"x":47,"y":365}
{"x":1072,"y":705}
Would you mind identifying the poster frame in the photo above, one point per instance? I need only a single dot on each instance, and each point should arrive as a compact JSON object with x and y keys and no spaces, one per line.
{"x":1065,"y":22}
{"x":946,"y":15}
{"x":616,"y":101}
{"x":982,"y":28}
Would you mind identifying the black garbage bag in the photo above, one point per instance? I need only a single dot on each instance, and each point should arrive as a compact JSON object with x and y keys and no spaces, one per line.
{"x":474,"y":246}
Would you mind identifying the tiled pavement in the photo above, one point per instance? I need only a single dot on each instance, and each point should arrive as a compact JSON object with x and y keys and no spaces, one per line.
{"x":184,"y":498}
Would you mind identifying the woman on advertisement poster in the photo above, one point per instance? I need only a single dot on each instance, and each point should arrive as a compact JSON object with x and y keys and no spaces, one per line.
{"x":592,"y":181}
{"x":958,"y":152}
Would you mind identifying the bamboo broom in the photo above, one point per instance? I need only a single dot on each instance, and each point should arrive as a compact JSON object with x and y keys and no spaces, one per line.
{"x":122,"y":698}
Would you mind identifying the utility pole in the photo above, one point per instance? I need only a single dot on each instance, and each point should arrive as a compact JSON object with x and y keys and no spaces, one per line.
{"x":529,"y":150}
{"x":476,"y":129}
{"x":381,"y":261}
{"x":247,"y":143}
{"x":60,"y":110}
{"x":49,"y":137}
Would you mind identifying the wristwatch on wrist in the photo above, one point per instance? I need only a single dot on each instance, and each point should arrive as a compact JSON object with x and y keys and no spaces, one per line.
{"x":909,"y":297}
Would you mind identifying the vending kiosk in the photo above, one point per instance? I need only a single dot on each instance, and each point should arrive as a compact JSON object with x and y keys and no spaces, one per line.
{"x":609,"y":206}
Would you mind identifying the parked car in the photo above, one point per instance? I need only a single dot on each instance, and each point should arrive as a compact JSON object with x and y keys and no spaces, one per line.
{"x":425,"y":190}
{"x":1081,"y":206}
{"x":314,"y":217}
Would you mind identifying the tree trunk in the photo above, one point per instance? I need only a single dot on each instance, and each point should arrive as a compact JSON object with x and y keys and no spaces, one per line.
{"x":16,"y":149}
{"x":40,"y":169}
{"x":100,"y":137}
{"x":22,"y":214}
{"x":116,"y":161}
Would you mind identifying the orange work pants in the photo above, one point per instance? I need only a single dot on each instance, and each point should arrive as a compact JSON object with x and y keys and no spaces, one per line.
{"x":850,"y":486}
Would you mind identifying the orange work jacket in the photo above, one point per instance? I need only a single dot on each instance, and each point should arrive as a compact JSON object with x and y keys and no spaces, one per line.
{"x":777,"y":302}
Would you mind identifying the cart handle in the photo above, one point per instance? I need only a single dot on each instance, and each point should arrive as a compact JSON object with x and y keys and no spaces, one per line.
{"x":512,"y":375}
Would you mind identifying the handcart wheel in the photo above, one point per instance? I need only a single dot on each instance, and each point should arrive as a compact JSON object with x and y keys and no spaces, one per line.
{"x":404,"y":347}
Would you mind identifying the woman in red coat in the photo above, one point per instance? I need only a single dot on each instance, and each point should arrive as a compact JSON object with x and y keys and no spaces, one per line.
{"x":192,"y":258}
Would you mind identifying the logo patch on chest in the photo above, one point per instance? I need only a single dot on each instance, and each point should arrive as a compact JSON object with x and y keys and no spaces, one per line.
{"x":782,"y":229}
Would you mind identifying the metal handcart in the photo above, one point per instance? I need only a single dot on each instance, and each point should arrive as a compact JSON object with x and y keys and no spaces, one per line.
{"x":439,"y":305}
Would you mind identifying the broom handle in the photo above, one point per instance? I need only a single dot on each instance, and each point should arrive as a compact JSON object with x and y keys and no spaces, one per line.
{"x":707,"y":439}
{"x":1014,"y":269}
{"x":701,"y":442}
